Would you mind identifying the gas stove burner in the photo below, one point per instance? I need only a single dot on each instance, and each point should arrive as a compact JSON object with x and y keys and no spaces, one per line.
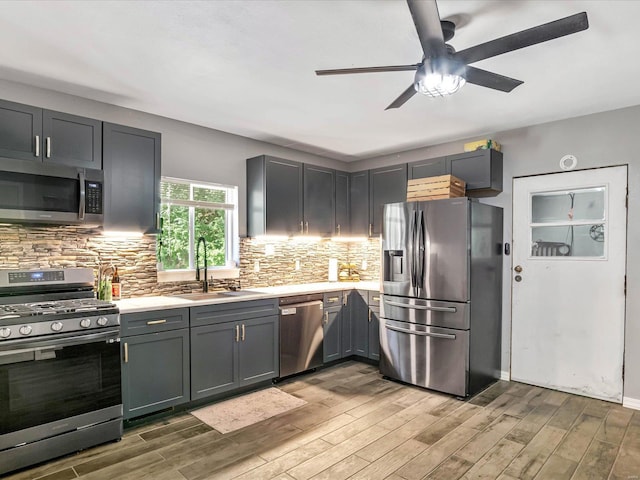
{"x":57,"y":307}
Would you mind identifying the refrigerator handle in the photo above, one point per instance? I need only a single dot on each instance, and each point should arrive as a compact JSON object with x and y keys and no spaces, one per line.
{"x":412,"y":261}
{"x":421,"y":249}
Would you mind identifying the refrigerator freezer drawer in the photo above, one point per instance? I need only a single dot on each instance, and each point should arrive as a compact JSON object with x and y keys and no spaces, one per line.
{"x":430,"y":357}
{"x":434,"y":313}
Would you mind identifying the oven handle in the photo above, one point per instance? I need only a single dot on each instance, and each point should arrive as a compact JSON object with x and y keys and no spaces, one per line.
{"x":422,"y":334}
{"x":30,"y":345}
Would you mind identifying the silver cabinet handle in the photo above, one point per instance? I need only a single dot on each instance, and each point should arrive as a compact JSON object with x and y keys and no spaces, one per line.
{"x":301,"y":227}
{"x":237,"y":333}
{"x":338,"y":229}
{"x":448,"y":336}
{"x":37,"y":145}
{"x":126,"y":352}
{"x":422,"y":307}
{"x":243,"y":332}
{"x":369,"y":315}
{"x":83,"y":196}
{"x":326,"y":318}
{"x":332,"y":299}
{"x":156,"y":322}
{"x":306,"y":224}
{"x":158,"y":226}
{"x":48,"y":140}
{"x":375,"y":299}
{"x":370,"y":229}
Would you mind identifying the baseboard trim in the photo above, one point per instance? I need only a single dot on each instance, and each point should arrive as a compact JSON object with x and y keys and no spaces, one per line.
{"x":631,"y":403}
{"x":505,"y":375}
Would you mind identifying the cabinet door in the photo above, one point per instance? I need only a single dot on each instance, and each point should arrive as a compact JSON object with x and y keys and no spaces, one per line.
{"x":481,"y":170}
{"x":132,"y":177}
{"x":283,"y":192}
{"x":427,"y":168}
{"x":214,"y":359}
{"x":72,"y":140}
{"x":319,"y":200}
{"x":20,"y":131}
{"x":155,"y":371}
{"x":360,"y":321}
{"x":346,"y":327}
{"x":374,"y":333}
{"x":342,"y":203}
{"x":386,"y":185}
{"x":331,"y":324}
{"x":258,"y":350}
{"x":359,"y":203}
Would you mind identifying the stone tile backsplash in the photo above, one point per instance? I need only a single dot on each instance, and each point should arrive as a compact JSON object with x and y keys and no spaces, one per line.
{"x":262,"y":263}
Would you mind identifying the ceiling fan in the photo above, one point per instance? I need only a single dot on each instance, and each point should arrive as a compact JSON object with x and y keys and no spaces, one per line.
{"x":443,"y":71}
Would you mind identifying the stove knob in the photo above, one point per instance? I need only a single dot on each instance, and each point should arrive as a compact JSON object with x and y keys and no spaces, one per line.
{"x":102,"y":321}
{"x":25,"y":330}
{"x":85,"y":322}
{"x":5,"y":332}
{"x":56,"y":326}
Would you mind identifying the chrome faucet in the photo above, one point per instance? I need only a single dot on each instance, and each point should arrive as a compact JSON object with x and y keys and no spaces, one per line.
{"x":205,"y":283}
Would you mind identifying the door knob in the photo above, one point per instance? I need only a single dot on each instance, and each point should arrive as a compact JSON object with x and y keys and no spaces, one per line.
{"x":518,"y":268}
{"x":518,"y":278}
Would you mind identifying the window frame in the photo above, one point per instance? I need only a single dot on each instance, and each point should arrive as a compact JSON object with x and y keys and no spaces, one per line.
{"x":230,"y":269}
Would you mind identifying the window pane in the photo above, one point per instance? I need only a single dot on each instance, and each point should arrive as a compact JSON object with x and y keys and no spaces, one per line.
{"x":174,"y":241}
{"x":578,"y":205}
{"x":204,"y":194}
{"x":174,"y":191}
{"x":575,"y":241}
{"x":210,"y":224}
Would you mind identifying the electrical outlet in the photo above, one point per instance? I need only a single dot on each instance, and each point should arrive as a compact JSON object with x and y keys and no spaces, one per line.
{"x":297,"y":264}
{"x":256,"y":266}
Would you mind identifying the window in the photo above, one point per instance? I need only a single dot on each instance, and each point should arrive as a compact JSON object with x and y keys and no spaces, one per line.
{"x":191,"y":210}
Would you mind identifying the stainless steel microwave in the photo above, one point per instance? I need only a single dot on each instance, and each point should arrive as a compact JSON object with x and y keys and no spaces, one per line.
{"x":36,"y":192}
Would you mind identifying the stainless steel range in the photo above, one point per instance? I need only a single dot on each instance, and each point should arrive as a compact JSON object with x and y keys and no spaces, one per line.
{"x":59,"y":366}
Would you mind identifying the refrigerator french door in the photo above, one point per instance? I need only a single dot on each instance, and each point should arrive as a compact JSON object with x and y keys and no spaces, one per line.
{"x":441,"y":304}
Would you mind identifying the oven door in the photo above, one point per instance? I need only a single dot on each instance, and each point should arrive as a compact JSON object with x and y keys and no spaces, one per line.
{"x":59,"y":384}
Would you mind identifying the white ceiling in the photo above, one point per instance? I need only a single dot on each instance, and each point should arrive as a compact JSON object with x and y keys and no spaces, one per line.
{"x":247,"y":67}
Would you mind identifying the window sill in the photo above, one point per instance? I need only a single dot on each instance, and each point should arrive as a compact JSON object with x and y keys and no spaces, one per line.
{"x":190,"y":275}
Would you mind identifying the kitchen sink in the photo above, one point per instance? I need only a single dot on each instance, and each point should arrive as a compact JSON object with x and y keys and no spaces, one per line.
{"x":213,"y":295}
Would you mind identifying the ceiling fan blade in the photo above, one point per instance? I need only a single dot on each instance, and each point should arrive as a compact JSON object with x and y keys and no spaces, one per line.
{"x":427,"y":21}
{"x":390,"y":68}
{"x":403,"y":98}
{"x":491,"y":80}
{"x":525,"y":38}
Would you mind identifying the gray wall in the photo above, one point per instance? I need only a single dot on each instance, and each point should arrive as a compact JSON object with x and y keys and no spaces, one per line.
{"x":188,"y":151}
{"x":602,"y":139}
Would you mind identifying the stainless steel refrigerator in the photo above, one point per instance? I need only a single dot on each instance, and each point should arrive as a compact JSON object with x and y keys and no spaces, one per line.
{"x":440,"y":324}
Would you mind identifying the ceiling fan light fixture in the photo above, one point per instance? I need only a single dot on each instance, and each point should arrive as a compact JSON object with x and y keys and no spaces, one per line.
{"x":439,"y":77}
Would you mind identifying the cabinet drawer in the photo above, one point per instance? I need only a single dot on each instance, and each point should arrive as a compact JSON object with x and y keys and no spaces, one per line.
{"x":374,"y":299}
{"x":233,"y":312}
{"x":154,"y":321}
{"x":333,"y":299}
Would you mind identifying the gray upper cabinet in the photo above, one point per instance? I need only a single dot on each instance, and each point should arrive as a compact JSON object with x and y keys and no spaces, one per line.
{"x":386,"y":185}
{"x":20,"y":131}
{"x":432,"y":167}
{"x":274,"y":196}
{"x":359,"y":203}
{"x":31,"y":133}
{"x":343,"y":181}
{"x":132,"y":174}
{"x":319,"y":200}
{"x":481,"y":170}
{"x":72,"y":140}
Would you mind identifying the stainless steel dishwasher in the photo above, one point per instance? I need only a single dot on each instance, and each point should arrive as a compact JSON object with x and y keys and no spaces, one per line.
{"x":301,"y":333}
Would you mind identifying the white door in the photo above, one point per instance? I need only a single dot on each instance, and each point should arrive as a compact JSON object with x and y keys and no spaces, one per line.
{"x":568,"y":280}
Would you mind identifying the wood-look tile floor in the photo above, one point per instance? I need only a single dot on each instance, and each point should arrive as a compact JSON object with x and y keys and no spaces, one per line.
{"x":357,"y":425}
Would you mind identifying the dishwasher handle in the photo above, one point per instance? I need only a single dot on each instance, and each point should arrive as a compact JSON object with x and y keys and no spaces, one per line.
{"x":293,"y":308}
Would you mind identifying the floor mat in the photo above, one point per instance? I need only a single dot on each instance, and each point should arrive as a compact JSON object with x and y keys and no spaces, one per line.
{"x":247,"y":409}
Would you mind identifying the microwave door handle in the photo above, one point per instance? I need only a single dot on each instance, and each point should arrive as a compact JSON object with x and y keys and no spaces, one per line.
{"x":83,"y":196}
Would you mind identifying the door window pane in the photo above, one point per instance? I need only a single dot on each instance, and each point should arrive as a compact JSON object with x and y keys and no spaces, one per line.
{"x":577,"y":205}
{"x":568,"y":241}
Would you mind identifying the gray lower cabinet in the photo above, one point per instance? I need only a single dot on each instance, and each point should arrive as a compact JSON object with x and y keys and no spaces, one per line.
{"x":132,"y":175}
{"x":332,"y":330}
{"x":155,"y":361}
{"x":365,"y":313}
{"x":233,"y":345}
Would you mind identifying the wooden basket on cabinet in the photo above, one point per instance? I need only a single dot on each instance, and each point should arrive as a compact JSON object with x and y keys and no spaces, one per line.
{"x":435,"y":188}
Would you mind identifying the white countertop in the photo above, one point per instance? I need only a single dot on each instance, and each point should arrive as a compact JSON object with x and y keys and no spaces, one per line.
{"x":142,"y":304}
